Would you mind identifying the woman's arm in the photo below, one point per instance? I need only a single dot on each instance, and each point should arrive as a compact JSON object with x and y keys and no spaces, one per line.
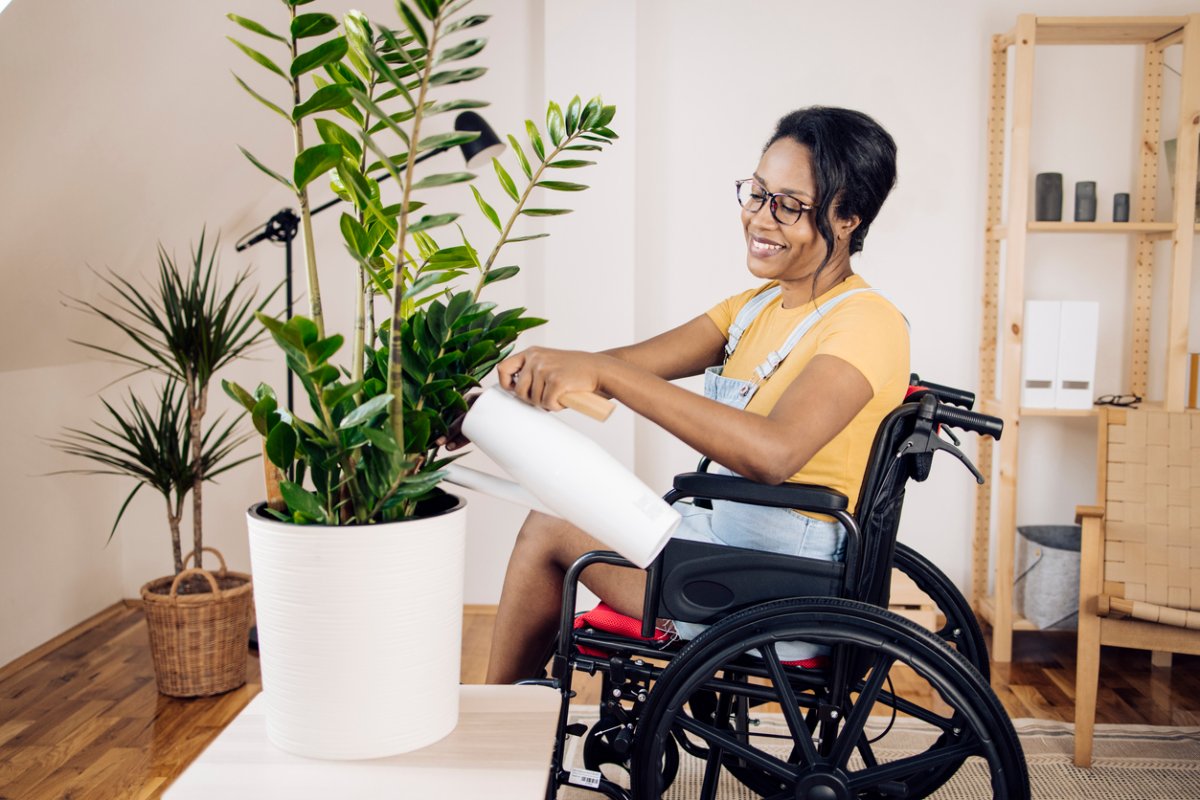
{"x":678,"y":353}
{"x":817,"y":405}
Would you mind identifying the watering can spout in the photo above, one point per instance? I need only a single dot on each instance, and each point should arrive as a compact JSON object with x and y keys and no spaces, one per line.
{"x":562,"y":472}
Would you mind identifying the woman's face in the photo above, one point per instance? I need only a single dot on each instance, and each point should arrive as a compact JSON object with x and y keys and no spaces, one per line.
{"x":784,"y":252}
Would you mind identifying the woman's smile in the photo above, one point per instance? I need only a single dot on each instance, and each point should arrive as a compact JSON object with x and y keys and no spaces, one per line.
{"x":765,"y":248}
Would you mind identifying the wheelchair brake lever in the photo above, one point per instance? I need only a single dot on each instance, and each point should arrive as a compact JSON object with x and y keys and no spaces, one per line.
{"x":950,"y":433}
{"x":940,"y":444}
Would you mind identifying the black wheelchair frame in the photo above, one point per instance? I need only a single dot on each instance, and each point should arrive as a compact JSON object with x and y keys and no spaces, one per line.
{"x":657,"y":701}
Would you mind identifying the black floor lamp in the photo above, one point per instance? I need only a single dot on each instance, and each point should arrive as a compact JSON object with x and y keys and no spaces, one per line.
{"x":283,"y":226}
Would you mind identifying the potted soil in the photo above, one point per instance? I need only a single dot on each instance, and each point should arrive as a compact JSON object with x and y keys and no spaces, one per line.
{"x":357,"y":552}
{"x":185,"y":328}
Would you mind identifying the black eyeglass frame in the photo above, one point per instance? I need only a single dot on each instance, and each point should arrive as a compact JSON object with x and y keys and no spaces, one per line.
{"x":1118,"y":400}
{"x":774,"y":198}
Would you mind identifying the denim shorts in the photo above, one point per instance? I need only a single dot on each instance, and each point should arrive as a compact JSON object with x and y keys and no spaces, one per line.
{"x":776,"y":530}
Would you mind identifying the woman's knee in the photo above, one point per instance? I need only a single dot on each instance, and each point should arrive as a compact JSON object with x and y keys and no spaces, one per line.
{"x":552,"y":540}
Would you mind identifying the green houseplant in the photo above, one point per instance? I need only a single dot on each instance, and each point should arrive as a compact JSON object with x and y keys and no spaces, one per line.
{"x":185,"y":327}
{"x":367,"y":456}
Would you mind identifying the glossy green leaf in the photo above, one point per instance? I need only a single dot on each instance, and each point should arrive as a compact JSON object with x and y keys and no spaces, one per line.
{"x":467,"y":22}
{"x":319,"y":56}
{"x":238,"y":394}
{"x":281,"y":446}
{"x":606,"y":116}
{"x":297,"y":2}
{"x":429,"y":8}
{"x":431,"y":279}
{"x":443,"y":179}
{"x":301,"y":501}
{"x":520,"y":156}
{"x":251,"y":25}
{"x":259,"y":58}
{"x":332,"y":133}
{"x":412,"y":22}
{"x":554,"y":124}
{"x":384,"y":440}
{"x":455,"y":105}
{"x":366,"y":412}
{"x":590,"y":111}
{"x":506,"y":180}
{"x":573,"y":109}
{"x":526,"y":238}
{"x":266,"y":169}
{"x":460,"y":51}
{"x":499,"y":274}
{"x":545,"y":212}
{"x":322,"y":375}
{"x":487,"y":210}
{"x":334,"y":395}
{"x":583,"y":147}
{"x":435,"y":221}
{"x":570,"y":163}
{"x":324,"y":349}
{"x":562,"y":186}
{"x":306,"y":25}
{"x":355,"y":236}
{"x":535,"y":140}
{"x":314,"y":162}
{"x":446,"y":140}
{"x":261,"y":99}
{"x":456,"y":76}
{"x":605,"y":132}
{"x":324,"y":99}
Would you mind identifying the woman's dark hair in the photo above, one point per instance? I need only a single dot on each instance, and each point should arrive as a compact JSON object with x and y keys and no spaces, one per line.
{"x":854,"y":165}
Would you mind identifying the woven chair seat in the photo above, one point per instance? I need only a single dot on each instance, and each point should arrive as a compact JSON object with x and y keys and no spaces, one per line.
{"x":1119,"y":608}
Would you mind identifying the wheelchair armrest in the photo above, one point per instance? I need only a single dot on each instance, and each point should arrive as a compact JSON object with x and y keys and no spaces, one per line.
{"x":800,"y":496}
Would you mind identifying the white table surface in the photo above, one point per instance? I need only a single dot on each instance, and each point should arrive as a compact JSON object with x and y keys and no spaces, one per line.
{"x":500,"y":749}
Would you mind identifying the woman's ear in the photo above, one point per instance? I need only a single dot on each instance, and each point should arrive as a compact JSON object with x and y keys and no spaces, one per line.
{"x":842,"y":228}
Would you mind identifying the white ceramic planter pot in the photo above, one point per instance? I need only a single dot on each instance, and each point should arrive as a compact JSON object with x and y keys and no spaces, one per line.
{"x":360,"y":632}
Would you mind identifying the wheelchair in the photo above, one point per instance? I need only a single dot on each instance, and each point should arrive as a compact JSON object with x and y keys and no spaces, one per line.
{"x":663,"y":698}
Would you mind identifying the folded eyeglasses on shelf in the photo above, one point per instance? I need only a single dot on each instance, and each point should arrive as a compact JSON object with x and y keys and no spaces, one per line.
{"x":1120,"y":400}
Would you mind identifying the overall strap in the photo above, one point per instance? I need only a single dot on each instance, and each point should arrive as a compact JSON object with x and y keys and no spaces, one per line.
{"x":747,"y":315}
{"x":776,"y":357}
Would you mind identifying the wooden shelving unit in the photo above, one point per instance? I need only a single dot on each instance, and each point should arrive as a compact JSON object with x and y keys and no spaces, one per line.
{"x":1004,"y":301}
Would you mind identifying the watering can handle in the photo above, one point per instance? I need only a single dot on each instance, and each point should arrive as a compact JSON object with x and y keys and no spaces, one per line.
{"x":592,"y":405}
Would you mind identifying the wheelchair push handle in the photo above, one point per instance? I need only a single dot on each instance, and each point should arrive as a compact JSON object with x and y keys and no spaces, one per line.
{"x":945,"y":394}
{"x":968,"y":420}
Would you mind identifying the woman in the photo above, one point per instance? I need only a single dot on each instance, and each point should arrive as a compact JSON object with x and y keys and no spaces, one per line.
{"x":811,"y":363}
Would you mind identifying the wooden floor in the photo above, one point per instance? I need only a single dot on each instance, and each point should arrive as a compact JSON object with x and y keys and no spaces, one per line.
{"x":85,"y":722}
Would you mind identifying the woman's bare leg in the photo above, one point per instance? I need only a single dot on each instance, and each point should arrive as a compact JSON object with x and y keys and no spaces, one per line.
{"x":531,"y":601}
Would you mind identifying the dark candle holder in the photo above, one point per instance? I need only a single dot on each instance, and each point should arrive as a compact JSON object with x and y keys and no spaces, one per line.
{"x":1121,"y":207}
{"x":1085,"y":201}
{"x":1048,"y":197}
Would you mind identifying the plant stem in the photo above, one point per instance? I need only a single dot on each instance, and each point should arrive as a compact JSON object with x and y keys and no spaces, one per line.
{"x":310,"y":255}
{"x":395,"y":380}
{"x":173,"y":516}
{"x":360,"y":312}
{"x":516,"y":212}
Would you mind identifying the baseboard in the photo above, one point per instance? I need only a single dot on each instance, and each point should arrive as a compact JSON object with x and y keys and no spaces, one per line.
{"x":19,"y":663}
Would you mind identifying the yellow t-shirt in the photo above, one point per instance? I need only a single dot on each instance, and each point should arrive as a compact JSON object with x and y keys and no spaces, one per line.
{"x":865,"y":330}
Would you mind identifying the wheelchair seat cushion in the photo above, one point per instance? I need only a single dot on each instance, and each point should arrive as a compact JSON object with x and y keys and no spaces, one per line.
{"x":606,"y":619}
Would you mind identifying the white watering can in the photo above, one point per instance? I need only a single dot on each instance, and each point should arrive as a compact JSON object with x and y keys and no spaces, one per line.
{"x":562,"y":472}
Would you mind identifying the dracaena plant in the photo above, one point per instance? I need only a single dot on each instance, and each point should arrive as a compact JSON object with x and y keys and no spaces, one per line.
{"x":185,"y":327}
{"x":368,"y":453}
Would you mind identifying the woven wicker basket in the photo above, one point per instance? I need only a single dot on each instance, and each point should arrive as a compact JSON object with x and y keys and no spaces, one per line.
{"x":199,"y":641}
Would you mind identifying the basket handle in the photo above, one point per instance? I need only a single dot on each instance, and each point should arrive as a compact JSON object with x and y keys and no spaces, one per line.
{"x":212,"y":550}
{"x":187,"y":573}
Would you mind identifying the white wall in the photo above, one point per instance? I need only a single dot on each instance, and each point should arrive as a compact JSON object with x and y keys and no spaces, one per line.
{"x":126,"y":135}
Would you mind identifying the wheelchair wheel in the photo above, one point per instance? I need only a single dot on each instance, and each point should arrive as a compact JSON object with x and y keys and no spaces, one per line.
{"x":823,"y":749}
{"x":961,"y":630}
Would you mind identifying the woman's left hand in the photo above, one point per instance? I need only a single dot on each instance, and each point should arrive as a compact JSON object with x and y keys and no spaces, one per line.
{"x":540,"y":375}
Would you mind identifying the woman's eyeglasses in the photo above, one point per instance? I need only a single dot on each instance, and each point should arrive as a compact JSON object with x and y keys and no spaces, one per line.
{"x":786,"y":209}
{"x":1121,"y":400}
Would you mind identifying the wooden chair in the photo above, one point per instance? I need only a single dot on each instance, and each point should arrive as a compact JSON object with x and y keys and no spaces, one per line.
{"x":1139,"y":583}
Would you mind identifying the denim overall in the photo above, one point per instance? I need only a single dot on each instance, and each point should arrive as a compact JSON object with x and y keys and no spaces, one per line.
{"x":777,"y":530}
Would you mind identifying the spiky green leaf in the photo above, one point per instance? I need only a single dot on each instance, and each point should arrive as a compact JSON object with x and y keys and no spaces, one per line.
{"x":259,"y":58}
{"x":319,"y":56}
{"x":314,"y":162}
{"x":251,"y":25}
{"x":487,"y":210}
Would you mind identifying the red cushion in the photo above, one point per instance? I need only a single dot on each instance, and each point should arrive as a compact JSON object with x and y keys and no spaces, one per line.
{"x":604,"y":618}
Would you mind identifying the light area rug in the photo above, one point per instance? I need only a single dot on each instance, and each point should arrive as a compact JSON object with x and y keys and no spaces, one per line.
{"x":1130,"y":762}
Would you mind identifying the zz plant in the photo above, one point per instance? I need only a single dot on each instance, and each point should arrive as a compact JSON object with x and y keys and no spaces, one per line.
{"x":369,"y":452}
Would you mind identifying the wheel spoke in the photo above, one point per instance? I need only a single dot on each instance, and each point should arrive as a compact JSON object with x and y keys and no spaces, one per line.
{"x":728,"y":743}
{"x":791,"y":707}
{"x":866,"y":752}
{"x":904,"y":767}
{"x":867,"y":694}
{"x":712,"y":774}
{"x":910,"y":708}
